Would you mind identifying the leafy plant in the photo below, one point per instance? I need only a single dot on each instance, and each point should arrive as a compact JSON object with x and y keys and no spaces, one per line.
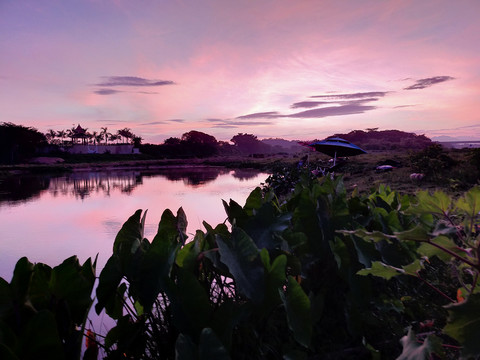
{"x":43,"y":311}
{"x":313,"y":273}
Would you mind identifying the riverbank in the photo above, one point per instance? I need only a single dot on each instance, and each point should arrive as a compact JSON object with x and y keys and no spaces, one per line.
{"x":447,"y":169}
{"x":107,"y":164}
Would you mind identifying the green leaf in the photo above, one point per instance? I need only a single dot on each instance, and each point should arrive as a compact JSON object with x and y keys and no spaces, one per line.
{"x":265,"y":227}
{"x":41,"y":339}
{"x":68,"y":283}
{"x":109,"y":279}
{"x":194,"y":300}
{"x":241,"y":256}
{"x":129,"y":238}
{"x":418,"y":233}
{"x":429,"y":250}
{"x":382,"y":270}
{"x":413,"y":268}
{"x":374,"y":236}
{"x":236,"y":214}
{"x":20,"y":283}
{"x":185,"y":348}
{"x":254,"y":201}
{"x":439,"y":203}
{"x":297,"y":305}
{"x":413,"y":350}
{"x":6,"y":298}
{"x":470,"y":202}
{"x":274,"y":278}
{"x":464,"y":324}
{"x":210,"y":347}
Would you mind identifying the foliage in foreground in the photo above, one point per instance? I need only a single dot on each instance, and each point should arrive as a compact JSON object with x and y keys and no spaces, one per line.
{"x":320,"y":274}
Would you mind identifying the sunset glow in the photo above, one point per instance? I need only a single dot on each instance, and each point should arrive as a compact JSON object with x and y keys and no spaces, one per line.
{"x":277,"y":68}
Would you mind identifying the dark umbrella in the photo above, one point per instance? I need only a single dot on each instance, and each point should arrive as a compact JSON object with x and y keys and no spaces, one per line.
{"x":337,"y":147}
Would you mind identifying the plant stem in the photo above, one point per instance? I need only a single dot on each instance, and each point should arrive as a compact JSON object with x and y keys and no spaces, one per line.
{"x":436,"y":289}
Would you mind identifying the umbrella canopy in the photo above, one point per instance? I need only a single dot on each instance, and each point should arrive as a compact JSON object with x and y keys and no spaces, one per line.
{"x":337,"y":147}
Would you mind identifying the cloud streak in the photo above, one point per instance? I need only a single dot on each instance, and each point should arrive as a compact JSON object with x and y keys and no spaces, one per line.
{"x":332,"y":111}
{"x":264,"y":115}
{"x":106,"y":91}
{"x":427,"y":82}
{"x":352,"y":96}
{"x":132,"y":81}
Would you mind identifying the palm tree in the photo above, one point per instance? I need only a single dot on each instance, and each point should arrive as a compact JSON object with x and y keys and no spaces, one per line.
{"x":105,"y":134}
{"x":125,"y":133}
{"x":70,"y":133}
{"x":51,"y":134}
{"x":114,"y":137}
{"x":62,"y":134}
{"x":94,"y":136}
{"x":99,"y":138}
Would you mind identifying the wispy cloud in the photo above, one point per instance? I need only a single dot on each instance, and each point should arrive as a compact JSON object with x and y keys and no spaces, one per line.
{"x":132,"y":81}
{"x":427,"y":82}
{"x":403,"y":106}
{"x":347,"y":109}
{"x":106,"y":91}
{"x":154,"y":123}
{"x":268,"y":114}
{"x":332,"y":111}
{"x":351,"y":96}
{"x":177,"y":120}
{"x":111,"y":122}
{"x":308,"y":104}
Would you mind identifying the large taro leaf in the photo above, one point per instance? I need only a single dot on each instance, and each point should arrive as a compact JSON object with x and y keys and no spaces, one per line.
{"x":299,"y":314}
{"x":464,"y":324}
{"x":129,"y":239}
{"x":415,"y":350}
{"x":21,"y":279}
{"x":185,"y":348}
{"x":171,"y":228}
{"x":254,"y":201}
{"x":192,"y":306}
{"x":235,"y":213}
{"x":265,"y":226}
{"x":41,"y":339}
{"x":240,"y":254}
{"x":274,"y":278}
{"x":152,"y":272}
{"x":108,"y":283}
{"x":210,"y":347}
{"x":71,"y":283}
{"x":6,"y":298}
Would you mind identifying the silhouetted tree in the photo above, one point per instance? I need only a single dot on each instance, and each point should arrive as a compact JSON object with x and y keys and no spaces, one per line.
{"x":199,"y":144}
{"x":172,"y":141}
{"x":18,"y":143}
{"x":249,"y":144}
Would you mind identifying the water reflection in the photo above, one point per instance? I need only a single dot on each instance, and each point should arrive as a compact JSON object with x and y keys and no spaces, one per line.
{"x":50,"y":218}
{"x":81,"y":184}
{"x":15,"y":189}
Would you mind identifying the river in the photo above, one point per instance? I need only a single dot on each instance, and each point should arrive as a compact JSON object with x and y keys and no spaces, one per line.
{"x":50,"y":218}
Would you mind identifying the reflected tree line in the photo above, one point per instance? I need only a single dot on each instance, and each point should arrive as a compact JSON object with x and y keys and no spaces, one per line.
{"x":22,"y":188}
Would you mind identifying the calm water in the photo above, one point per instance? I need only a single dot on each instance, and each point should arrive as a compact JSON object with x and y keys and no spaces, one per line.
{"x":49,"y":219}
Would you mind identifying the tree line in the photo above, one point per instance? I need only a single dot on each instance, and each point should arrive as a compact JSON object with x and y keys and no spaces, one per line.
{"x":18,"y":143}
{"x":123,"y":136}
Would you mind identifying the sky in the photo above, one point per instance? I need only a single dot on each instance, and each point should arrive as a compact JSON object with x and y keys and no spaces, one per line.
{"x":298,"y":70}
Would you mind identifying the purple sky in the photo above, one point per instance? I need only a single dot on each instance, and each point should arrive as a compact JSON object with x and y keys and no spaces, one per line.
{"x":273,"y":68}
